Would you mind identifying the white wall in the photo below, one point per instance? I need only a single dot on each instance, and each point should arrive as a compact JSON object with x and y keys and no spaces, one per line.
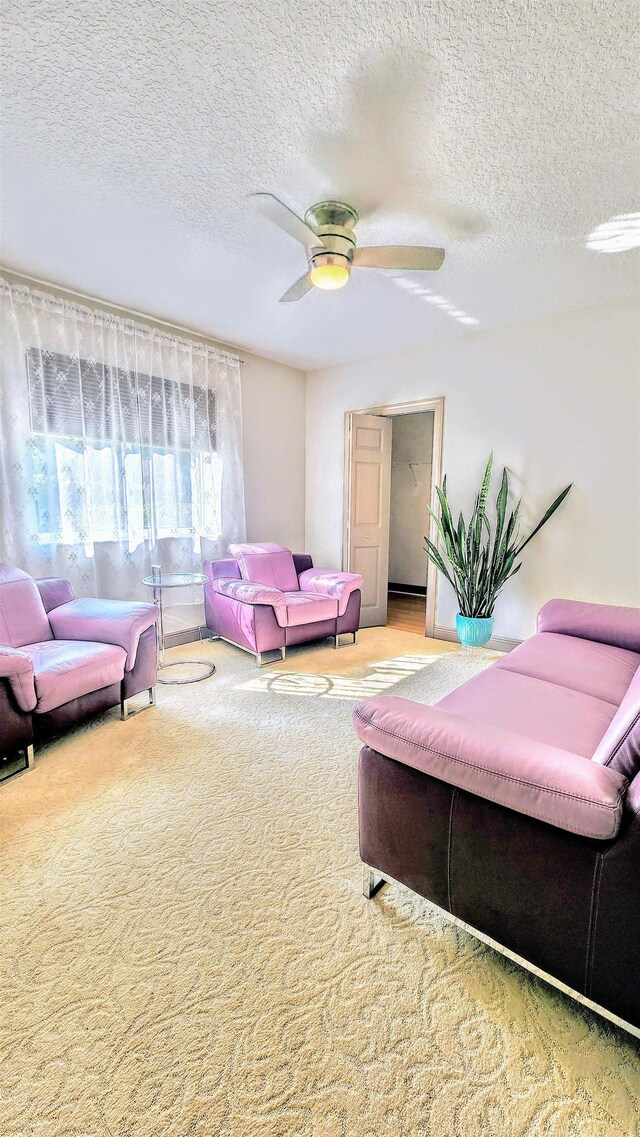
{"x":558,"y":400}
{"x":273,"y":431}
{"x":411,"y":452}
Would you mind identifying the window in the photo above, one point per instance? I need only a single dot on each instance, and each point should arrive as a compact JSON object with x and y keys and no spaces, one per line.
{"x":118,"y":454}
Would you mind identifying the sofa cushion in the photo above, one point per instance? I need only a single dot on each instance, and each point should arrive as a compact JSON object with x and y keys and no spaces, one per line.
{"x":607,"y":623}
{"x":535,"y":708}
{"x":67,"y":669}
{"x":23,"y":619}
{"x":583,"y":665}
{"x":309,"y":608}
{"x":267,"y":564}
{"x":620,"y":746}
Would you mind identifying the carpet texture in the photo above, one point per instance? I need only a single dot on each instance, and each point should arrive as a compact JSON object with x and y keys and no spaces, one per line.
{"x":186,"y":951}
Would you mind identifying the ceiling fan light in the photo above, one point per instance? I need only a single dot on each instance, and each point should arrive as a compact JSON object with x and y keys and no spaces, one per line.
{"x":329,"y":276}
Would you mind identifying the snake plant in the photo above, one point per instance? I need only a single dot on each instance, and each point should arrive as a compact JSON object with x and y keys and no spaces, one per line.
{"x":478,"y":557}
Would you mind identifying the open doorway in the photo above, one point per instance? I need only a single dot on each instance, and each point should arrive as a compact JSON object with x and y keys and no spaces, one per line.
{"x":393,"y":457}
{"x":410,"y":496}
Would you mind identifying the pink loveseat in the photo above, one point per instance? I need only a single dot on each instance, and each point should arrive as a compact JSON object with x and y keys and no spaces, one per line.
{"x":265,"y":598}
{"x":514,"y":803}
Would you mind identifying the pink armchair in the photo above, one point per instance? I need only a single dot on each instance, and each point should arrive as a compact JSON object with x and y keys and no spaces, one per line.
{"x":64,"y":659}
{"x":266,"y":598}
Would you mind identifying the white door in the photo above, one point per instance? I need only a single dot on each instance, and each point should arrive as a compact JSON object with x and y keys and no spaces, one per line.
{"x":369,"y":489}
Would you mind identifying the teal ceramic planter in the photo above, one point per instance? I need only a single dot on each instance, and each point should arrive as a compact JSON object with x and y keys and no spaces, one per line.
{"x":473,"y":632}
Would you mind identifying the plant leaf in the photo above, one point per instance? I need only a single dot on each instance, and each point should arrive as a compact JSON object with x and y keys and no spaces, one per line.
{"x":551,"y":510}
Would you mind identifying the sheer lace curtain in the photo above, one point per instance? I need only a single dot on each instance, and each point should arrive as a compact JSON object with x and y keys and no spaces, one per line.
{"x":120,"y":447}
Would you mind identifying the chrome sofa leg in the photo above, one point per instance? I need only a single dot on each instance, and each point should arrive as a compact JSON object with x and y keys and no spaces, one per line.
{"x":371,"y":884}
{"x":259,"y":655}
{"x":124,"y":704}
{"x":336,"y":639}
{"x":27,"y":751}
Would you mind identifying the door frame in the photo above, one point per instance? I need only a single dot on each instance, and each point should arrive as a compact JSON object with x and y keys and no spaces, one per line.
{"x":391,"y":410}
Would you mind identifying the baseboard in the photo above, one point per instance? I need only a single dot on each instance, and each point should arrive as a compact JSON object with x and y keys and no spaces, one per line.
{"x":498,"y":643}
{"x":184,"y":636}
{"x":407,"y":589}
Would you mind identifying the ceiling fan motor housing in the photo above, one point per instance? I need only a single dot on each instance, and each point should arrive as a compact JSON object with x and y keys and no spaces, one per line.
{"x":334,"y":222}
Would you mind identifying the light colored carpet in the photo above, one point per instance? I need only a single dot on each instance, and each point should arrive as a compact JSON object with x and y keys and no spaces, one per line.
{"x":186,"y":951}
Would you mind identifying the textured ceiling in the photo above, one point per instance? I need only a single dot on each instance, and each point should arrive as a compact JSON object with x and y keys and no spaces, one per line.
{"x":132,"y":134}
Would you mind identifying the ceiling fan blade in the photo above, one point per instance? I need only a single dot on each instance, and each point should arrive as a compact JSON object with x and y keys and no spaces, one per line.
{"x":297,"y":290}
{"x":380,"y":151}
{"x":378,"y":141}
{"x":405,"y":257}
{"x":276,"y":211}
{"x":457,"y":221}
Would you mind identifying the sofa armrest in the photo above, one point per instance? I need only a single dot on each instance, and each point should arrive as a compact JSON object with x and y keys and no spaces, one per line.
{"x":118,"y":622}
{"x":17,"y":668}
{"x":247,"y":593}
{"x":54,"y":590}
{"x":328,"y":582}
{"x":604,"y":623}
{"x":541,"y":781}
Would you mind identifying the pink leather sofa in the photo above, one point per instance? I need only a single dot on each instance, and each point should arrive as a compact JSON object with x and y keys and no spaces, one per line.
{"x":63,"y":659}
{"x":265,"y":598}
{"x":514,"y":803}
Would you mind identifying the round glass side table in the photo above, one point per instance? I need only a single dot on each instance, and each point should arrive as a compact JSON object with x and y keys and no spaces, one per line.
{"x":158,"y":581}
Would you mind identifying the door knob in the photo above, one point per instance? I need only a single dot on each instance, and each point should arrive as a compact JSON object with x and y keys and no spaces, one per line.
{"x":366,"y":536}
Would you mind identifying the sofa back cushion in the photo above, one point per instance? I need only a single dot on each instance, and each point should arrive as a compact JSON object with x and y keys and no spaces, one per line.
{"x":23,"y":619}
{"x":605,"y":623}
{"x":619,"y":747}
{"x":267,"y":564}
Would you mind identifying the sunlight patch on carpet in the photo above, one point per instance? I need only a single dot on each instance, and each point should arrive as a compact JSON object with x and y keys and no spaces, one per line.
{"x":384,"y":674}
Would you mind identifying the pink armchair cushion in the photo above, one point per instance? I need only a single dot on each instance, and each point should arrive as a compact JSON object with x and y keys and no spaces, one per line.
{"x":23,"y":619}
{"x":267,"y":564}
{"x":328,"y":582}
{"x":17,"y":667}
{"x":620,"y":746}
{"x":309,"y":608}
{"x":117,"y":622}
{"x":54,"y":590}
{"x":552,"y":785}
{"x":291,"y":608}
{"x":251,"y":593}
{"x":65,"y":670}
{"x":583,"y":665}
{"x":606,"y":623}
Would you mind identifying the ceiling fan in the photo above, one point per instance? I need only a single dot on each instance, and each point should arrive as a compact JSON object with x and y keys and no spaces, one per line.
{"x":327,"y":233}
